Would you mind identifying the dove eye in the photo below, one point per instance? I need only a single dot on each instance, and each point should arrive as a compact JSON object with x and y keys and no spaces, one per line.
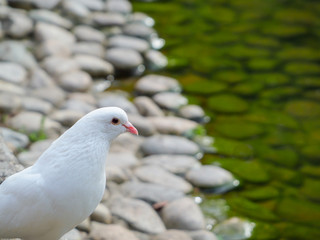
{"x":115,"y":121}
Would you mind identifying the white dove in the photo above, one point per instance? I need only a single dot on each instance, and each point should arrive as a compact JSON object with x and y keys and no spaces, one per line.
{"x":67,"y":182}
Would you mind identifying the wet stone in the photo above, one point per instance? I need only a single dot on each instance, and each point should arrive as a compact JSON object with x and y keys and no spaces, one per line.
{"x":152,"y":84}
{"x":12,"y":72}
{"x":95,"y":66}
{"x":172,"y":125}
{"x":209,"y":176}
{"x":156,"y":175}
{"x":138,"y":214}
{"x":123,"y":41}
{"x":183,"y":214}
{"x":155,"y":60}
{"x":234,"y":228}
{"x":88,"y":34}
{"x":150,"y":192}
{"x":167,"y":144}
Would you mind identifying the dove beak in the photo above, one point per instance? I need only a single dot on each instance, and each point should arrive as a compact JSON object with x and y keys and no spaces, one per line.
{"x":130,"y":128}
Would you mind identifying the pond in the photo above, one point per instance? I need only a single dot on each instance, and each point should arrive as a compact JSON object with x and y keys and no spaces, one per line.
{"x":254,"y":66}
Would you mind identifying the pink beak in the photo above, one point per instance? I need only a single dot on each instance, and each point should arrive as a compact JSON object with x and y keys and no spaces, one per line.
{"x":130,"y":128}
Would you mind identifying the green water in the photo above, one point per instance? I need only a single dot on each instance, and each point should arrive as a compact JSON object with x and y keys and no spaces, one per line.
{"x":254,"y":66}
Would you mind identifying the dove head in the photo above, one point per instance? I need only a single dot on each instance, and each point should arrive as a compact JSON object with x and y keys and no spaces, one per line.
{"x":111,"y":121}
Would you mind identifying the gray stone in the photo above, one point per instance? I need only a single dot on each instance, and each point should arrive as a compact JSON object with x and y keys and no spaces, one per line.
{"x":116,"y":174}
{"x":152,"y":84}
{"x":169,"y":144}
{"x":127,"y":143}
{"x":122,"y":6}
{"x":56,"y":65}
{"x":40,"y":79}
{"x":172,"y":235}
{"x":41,"y":145}
{"x":36,"y":105}
{"x":66,"y":117}
{"x":234,"y":228}
{"x":14,"y":51}
{"x":95,"y":66}
{"x":202,"y":235}
{"x":158,"y":175}
{"x":13,"y":139}
{"x":138,"y":214}
{"x":75,"y":9}
{"x":124,"y":58}
{"x":88,"y":34}
{"x":53,"y":48}
{"x":6,"y":87}
{"x":84,"y":97}
{"x":155,"y":60}
{"x":177,"y":164}
{"x":78,"y":105}
{"x":17,"y":24}
{"x":209,"y":176}
{"x":142,"y":18}
{"x":31,"y":122}
{"x":172,"y":125}
{"x":75,"y":81}
{"x":88,"y":48}
{"x":150,"y":192}
{"x":183,"y":214}
{"x":101,"y":214}
{"x":117,"y":100}
{"x":101,"y":231}
{"x":121,"y":159}
{"x":9,"y":103}
{"x":143,"y":125}
{"x":193,"y":112}
{"x":46,"y":16}
{"x":108,"y":19}
{"x":138,"y":30}
{"x":8,"y":163}
{"x":170,"y":100}
{"x":93,"y":5}
{"x":147,"y":107}
{"x":45,"y":32}
{"x":134,"y":43}
{"x":85,"y":226}
{"x":27,"y":4}
{"x":12,"y":72}
{"x":54,"y":95}
{"x":27,"y":159}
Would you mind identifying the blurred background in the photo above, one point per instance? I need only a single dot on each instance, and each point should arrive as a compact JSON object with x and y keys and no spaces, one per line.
{"x":254,"y":67}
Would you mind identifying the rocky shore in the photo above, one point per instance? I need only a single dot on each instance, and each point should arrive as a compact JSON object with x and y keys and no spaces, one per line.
{"x":57,"y":61}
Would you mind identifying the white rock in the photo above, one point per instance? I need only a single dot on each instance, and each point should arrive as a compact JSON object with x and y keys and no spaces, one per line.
{"x":93,"y":65}
{"x":12,"y":72}
{"x":88,"y":34}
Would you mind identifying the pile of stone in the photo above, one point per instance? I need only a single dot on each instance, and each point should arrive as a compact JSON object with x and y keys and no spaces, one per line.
{"x":57,"y":58}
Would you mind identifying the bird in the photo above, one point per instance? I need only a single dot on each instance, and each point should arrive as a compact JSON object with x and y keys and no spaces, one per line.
{"x":66,"y":183}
